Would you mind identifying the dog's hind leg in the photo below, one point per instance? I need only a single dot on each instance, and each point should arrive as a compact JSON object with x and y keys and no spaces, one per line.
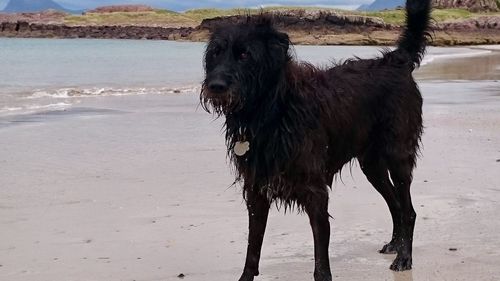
{"x":317,"y":210}
{"x":258,"y":210}
{"x":376,"y":171}
{"x":401,"y":174}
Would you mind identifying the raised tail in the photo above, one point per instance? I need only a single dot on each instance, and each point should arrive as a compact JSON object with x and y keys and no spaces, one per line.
{"x":416,"y":34}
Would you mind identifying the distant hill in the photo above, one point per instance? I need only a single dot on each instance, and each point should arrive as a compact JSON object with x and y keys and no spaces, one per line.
{"x":19,"y":6}
{"x":382,"y":5}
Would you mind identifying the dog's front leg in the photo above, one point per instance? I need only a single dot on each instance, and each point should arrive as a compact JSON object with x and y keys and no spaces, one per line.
{"x":317,"y":210}
{"x":258,"y":211}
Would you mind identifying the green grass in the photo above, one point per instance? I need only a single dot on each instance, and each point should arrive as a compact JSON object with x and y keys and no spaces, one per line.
{"x":194,"y":17}
{"x":390,"y":16}
{"x":439,"y":15}
{"x":158,"y":17}
{"x":201,"y":14}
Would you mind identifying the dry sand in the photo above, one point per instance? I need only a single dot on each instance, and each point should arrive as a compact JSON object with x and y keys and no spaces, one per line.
{"x":138,"y":188}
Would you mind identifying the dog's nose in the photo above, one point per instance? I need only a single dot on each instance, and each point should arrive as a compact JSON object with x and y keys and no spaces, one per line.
{"x":217,"y":86}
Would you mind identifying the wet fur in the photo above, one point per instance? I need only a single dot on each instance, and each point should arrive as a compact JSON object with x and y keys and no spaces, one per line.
{"x":304,"y":123}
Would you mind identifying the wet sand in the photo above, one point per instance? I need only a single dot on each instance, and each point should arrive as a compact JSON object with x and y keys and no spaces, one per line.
{"x":138,"y":188}
{"x":484,"y":67}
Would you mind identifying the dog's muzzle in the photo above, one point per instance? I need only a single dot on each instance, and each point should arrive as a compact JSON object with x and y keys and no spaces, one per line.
{"x":218,"y":86}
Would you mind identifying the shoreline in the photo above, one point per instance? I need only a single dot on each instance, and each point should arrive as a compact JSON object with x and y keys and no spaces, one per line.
{"x":441,"y":38}
{"x":305,"y":27}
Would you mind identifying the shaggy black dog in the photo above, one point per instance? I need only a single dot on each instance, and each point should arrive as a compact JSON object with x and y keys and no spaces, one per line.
{"x":290,"y":127}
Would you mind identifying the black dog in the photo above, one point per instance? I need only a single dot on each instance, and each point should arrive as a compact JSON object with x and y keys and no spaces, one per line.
{"x":290,"y":127}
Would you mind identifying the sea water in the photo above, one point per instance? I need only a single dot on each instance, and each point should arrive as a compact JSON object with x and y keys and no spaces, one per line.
{"x":53,"y":74}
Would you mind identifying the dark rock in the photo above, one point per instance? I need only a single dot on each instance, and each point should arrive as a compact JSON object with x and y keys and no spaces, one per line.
{"x":36,"y":30}
{"x":484,"y":22}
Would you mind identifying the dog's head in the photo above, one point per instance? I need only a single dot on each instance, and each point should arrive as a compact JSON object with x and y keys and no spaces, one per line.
{"x":242,"y":63}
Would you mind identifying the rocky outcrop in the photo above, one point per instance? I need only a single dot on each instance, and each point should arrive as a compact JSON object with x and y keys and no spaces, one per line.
{"x":320,"y":27}
{"x":301,"y":23}
{"x":121,"y":8}
{"x":49,"y":16}
{"x":40,"y":30}
{"x":473,"y":5}
{"x":479,"y":23}
{"x":303,"y":18}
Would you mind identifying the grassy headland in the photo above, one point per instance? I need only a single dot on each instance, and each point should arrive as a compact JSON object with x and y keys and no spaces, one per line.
{"x":305,"y":25}
{"x":195,"y":17}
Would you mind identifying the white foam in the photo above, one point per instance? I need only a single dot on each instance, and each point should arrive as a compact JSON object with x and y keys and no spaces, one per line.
{"x":8,"y":110}
{"x":63,"y":98}
{"x":65,"y":93}
{"x":53,"y":106}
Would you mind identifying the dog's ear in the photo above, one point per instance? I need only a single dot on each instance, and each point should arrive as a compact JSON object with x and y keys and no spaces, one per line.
{"x":280,"y":43}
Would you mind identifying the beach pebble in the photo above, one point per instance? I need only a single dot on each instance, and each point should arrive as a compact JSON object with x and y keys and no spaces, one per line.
{"x":181,"y":276}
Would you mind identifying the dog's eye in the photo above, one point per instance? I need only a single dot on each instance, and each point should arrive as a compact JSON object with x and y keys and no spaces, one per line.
{"x":244,"y":55}
{"x":216,"y":52}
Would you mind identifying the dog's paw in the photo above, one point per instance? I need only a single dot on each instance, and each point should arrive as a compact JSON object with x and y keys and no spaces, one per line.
{"x":402,"y":263}
{"x":322,"y":276}
{"x":246,"y":278}
{"x":389,"y":248}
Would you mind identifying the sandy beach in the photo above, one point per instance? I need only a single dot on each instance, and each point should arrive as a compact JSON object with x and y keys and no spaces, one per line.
{"x":138,"y":188}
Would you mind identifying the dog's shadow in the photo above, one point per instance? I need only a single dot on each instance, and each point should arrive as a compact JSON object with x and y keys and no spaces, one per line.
{"x":403,"y":276}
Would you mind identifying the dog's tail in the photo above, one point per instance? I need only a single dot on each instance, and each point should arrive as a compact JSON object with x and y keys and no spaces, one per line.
{"x":416,"y":34}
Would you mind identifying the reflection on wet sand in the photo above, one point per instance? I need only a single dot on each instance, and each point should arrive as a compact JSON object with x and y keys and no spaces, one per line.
{"x":471,"y":68}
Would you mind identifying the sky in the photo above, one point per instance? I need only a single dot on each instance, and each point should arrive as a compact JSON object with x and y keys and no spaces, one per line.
{"x":182,"y":5}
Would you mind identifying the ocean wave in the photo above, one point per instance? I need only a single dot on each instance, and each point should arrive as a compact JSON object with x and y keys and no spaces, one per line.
{"x":65,"y":93}
{"x":429,"y":58}
{"x":34,"y":107}
{"x":488,"y":47}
